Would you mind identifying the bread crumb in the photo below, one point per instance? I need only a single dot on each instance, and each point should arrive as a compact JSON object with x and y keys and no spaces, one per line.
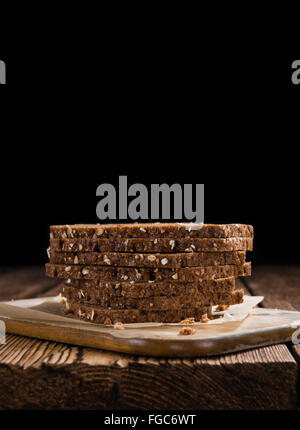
{"x":188,"y":321}
{"x":204,"y":318}
{"x":221,"y":308}
{"x":119,"y":326}
{"x":187,"y":331}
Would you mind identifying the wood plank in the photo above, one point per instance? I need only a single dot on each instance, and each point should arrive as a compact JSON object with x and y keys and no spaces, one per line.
{"x":296,"y":353}
{"x":51,"y":375}
{"x":280,"y":285}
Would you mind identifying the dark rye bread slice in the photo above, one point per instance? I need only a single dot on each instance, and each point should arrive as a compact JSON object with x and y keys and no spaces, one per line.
{"x":152,"y":245}
{"x":99,"y":315}
{"x":154,"y":289}
{"x":151,"y":230}
{"x":193,"y":259}
{"x":96,"y":297}
{"x":188,"y":274}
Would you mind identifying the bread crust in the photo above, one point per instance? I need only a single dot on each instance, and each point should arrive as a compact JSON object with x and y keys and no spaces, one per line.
{"x":105,"y":316}
{"x":154,"y":230}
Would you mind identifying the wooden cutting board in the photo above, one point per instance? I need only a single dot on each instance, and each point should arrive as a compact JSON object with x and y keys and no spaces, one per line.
{"x":43,"y":319}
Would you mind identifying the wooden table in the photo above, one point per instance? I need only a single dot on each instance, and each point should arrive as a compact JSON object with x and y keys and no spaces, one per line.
{"x":49,"y":375}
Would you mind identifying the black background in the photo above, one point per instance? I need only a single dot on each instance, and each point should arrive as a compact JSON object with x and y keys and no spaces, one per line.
{"x":168,"y":110}
{"x":169,"y":100}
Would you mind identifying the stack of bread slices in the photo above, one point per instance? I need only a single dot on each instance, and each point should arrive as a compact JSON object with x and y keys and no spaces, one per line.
{"x":156,"y":272}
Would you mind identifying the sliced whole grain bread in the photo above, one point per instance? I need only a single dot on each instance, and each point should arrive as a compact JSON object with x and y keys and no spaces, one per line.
{"x":96,"y":297}
{"x":189,"y":274}
{"x":151,"y":230}
{"x":193,"y":259}
{"x":152,"y":245}
{"x":99,"y":315}
{"x":154,"y":289}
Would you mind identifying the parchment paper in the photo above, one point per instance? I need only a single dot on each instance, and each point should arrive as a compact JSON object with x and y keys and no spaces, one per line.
{"x":49,"y":306}
{"x":241,"y":327}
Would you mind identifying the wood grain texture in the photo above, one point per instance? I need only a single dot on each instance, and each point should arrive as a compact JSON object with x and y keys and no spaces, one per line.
{"x":48,"y":375}
{"x":41,"y":374}
{"x":280,"y":285}
{"x":296,"y":354}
